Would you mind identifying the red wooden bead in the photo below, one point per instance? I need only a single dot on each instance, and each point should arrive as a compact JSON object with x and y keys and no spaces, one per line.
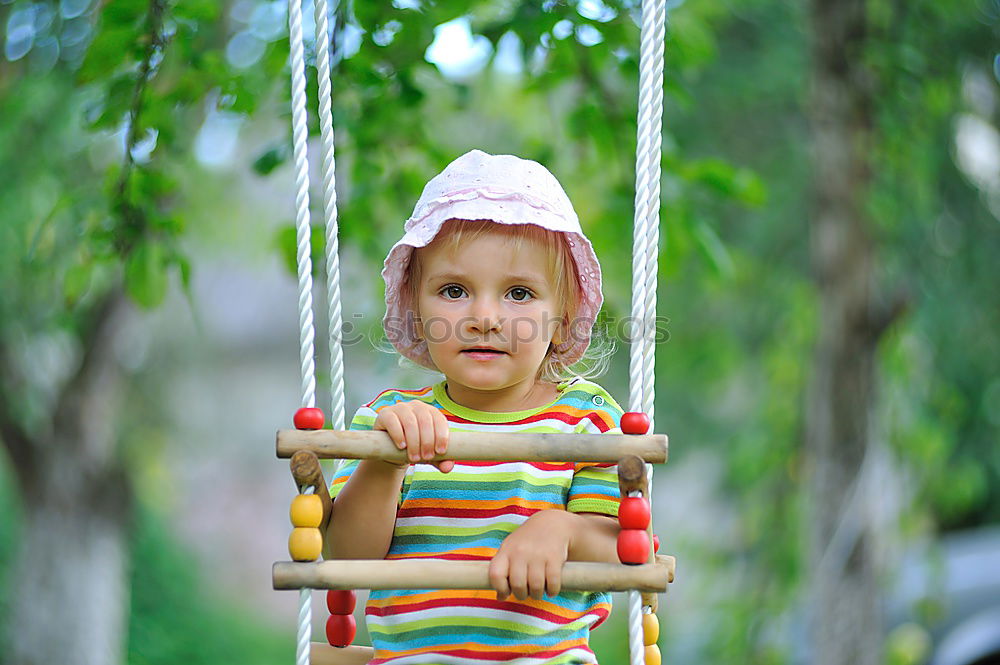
{"x":633,"y":546}
{"x":633,"y":512}
{"x":635,"y":422}
{"x":656,"y":543}
{"x":340,"y":629}
{"x":340,"y":601}
{"x":309,"y":417}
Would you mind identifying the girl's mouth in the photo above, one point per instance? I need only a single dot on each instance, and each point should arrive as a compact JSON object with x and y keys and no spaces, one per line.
{"x":483,"y":353}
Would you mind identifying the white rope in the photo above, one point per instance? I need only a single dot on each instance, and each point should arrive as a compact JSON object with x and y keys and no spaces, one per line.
{"x":637,"y":650}
{"x":300,"y":134}
{"x":651,"y":227}
{"x":645,"y":248}
{"x":645,"y":244}
{"x":305,"y":619}
{"x":330,"y":208}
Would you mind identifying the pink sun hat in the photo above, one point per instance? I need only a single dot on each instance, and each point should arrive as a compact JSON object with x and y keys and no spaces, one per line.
{"x":507,"y":190}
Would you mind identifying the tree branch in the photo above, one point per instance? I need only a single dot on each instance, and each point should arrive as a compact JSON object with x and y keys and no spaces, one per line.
{"x":98,"y":341}
{"x":133,"y":218}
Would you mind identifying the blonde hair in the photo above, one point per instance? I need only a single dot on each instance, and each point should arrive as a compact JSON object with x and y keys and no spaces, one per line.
{"x":561,"y":271}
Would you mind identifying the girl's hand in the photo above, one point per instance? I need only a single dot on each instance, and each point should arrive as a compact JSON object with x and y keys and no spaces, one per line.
{"x":419,"y":429}
{"x":530,"y":560}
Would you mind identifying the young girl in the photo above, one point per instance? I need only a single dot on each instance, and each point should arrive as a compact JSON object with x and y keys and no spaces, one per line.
{"x":495,"y":286}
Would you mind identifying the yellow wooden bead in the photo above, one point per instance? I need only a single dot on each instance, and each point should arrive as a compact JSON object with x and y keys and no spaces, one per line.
{"x":305,"y":544}
{"x":307,"y":510}
{"x":652,"y":655}
{"x":650,"y":629}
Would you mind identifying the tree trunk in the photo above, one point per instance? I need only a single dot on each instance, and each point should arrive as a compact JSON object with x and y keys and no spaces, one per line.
{"x":844,"y":588}
{"x":69,"y":590}
{"x":69,"y":586}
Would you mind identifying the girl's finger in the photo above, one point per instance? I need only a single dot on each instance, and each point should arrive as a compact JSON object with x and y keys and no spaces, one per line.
{"x":517,"y":578}
{"x":441,"y":432}
{"x":389,"y":421}
{"x":445,"y":466}
{"x":536,"y":579}
{"x":426,"y":424}
{"x":499,"y":567}
{"x":553,"y":577}
{"x":411,"y":432}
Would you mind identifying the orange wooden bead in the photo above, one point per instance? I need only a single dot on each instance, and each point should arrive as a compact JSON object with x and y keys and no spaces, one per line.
{"x":306,"y":510}
{"x":305,"y":544}
{"x":653,"y":655}
{"x":650,"y":629}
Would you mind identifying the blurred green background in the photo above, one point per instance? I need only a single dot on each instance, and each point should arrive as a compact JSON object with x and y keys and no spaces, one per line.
{"x":148,"y":334}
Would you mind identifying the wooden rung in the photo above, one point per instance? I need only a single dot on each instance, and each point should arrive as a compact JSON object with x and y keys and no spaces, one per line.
{"x":531,"y":447}
{"x":324,"y":654}
{"x":443,"y":574}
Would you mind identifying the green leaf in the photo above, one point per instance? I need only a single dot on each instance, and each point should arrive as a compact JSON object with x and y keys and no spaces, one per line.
{"x":750,"y":189}
{"x":271,"y":159}
{"x":123,"y":12}
{"x":723,"y":178}
{"x":286,"y":240}
{"x":184,"y":265}
{"x":204,"y":11}
{"x":106,"y":53}
{"x":76,"y":282}
{"x":146,"y":275}
{"x":116,"y":101}
{"x":713,"y":249}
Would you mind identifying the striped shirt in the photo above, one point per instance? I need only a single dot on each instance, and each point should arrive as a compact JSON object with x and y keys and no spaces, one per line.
{"x":466,"y":514}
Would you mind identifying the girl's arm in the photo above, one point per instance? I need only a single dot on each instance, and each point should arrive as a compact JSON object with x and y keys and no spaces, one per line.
{"x":364,"y":513}
{"x":530,"y":559}
{"x":529,"y":562}
{"x":596,"y":539}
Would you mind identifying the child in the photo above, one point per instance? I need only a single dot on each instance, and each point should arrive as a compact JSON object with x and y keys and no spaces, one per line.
{"x":495,"y":286}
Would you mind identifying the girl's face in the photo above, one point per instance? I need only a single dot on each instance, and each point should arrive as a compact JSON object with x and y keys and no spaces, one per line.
{"x":488,"y":313}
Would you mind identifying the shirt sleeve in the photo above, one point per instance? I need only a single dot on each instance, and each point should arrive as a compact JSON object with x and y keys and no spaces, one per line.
{"x":364,"y":419}
{"x":594,"y":488}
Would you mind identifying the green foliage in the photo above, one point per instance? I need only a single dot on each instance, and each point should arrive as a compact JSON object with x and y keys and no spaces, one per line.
{"x":271,"y":159}
{"x":286,"y":242}
{"x":176,"y":620}
{"x":944,"y":241}
{"x":8,"y":536}
{"x":145,"y":274}
{"x":739,"y":372}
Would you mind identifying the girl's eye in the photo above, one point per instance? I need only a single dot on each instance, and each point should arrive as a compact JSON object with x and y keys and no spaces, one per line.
{"x":453,"y":292}
{"x":520,"y":294}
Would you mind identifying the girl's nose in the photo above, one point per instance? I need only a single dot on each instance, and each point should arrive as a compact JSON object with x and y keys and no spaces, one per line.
{"x":486,"y":324}
{"x":484,"y":318}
